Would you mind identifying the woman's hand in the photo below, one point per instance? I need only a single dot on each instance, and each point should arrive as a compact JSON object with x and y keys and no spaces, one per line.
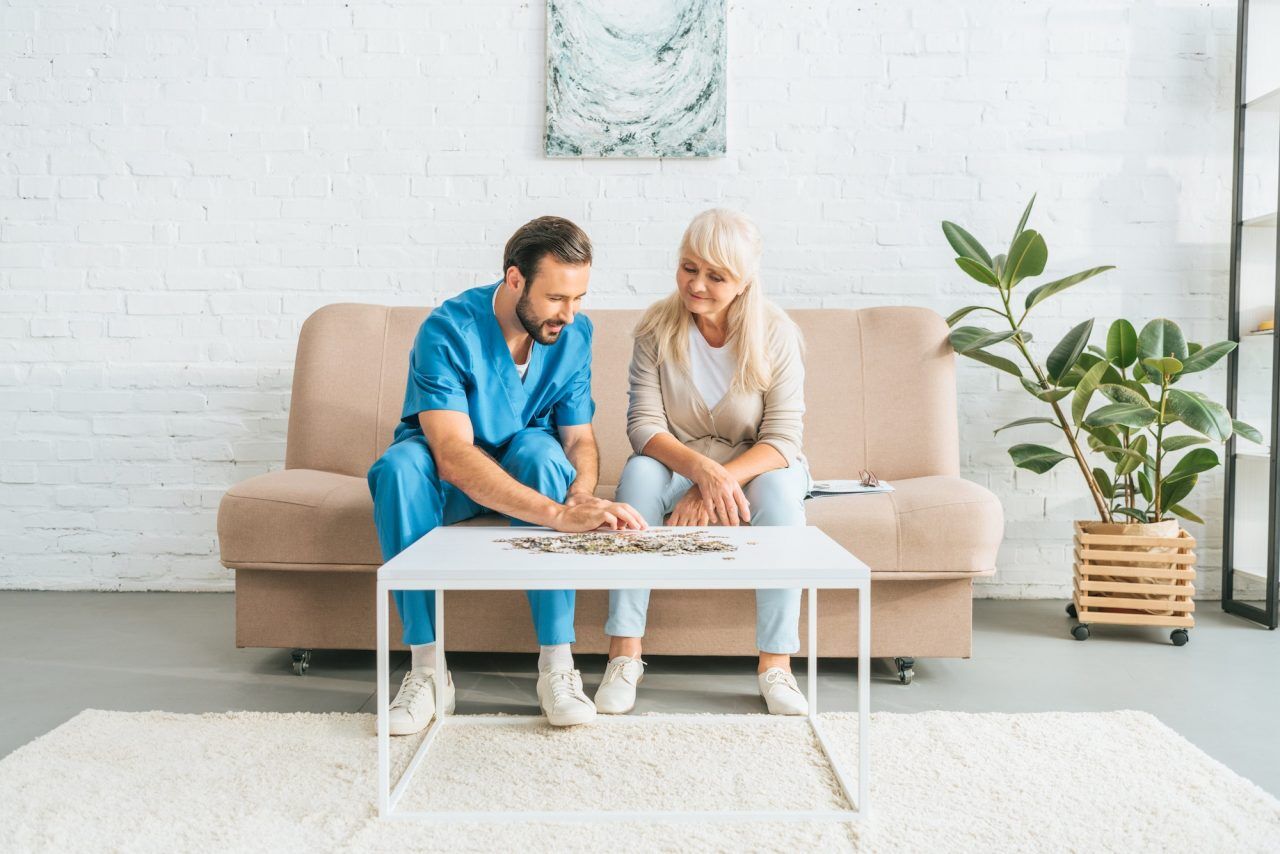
{"x":691,"y":510}
{"x":722,"y":494}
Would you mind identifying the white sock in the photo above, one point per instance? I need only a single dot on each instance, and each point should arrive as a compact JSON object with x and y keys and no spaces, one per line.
{"x":557,"y":657}
{"x":423,"y":656}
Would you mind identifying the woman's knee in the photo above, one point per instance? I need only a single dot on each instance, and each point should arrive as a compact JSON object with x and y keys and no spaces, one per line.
{"x":643,"y":483}
{"x":777,"y":497}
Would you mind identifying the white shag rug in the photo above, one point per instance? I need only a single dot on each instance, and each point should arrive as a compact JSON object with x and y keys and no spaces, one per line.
{"x":941,"y":781}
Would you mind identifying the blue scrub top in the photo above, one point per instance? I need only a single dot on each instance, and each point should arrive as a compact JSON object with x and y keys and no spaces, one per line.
{"x":460,"y":362}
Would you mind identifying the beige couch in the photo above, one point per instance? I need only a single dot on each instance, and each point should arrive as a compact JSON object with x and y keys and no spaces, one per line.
{"x":880,"y":392}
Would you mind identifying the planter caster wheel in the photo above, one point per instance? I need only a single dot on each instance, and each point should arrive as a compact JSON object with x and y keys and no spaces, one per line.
{"x":301,"y":660}
{"x":1179,"y":637}
{"x":1071,"y":610}
{"x":1080,"y":632}
{"x":906,"y":671}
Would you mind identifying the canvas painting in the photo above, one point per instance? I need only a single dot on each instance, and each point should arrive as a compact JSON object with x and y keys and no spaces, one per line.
{"x":642,"y":78}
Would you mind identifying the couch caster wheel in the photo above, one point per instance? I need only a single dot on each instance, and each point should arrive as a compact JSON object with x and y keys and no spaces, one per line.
{"x":905,"y":667}
{"x":1080,"y":632}
{"x":301,"y":660}
{"x":1179,"y":637}
{"x":1071,"y":610}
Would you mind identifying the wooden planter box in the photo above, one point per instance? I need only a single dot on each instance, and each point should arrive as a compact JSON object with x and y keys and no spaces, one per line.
{"x":1134,"y":580}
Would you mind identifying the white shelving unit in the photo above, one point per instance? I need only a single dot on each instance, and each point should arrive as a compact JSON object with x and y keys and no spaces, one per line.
{"x":1250,"y":548}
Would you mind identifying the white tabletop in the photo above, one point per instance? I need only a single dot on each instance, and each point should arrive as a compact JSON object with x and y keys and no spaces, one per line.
{"x":472,"y":558}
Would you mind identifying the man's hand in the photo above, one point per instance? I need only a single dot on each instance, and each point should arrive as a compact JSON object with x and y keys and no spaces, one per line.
{"x":597,"y":514}
{"x":576,"y":499}
{"x":691,"y":510}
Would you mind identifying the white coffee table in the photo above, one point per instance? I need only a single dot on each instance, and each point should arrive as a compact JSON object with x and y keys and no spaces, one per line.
{"x":470,"y":558}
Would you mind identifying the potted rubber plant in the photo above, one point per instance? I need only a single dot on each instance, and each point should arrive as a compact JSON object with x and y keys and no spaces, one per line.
{"x":1135,"y":551}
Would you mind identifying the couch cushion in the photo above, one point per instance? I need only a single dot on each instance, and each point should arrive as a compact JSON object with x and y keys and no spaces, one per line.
{"x":926,"y":525}
{"x":306,"y":519}
{"x":298,"y":518}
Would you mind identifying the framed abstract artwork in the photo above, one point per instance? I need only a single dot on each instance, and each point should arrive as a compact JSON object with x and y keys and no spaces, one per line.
{"x":641,"y":78}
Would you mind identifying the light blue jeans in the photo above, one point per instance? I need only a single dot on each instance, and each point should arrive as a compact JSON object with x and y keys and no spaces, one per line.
{"x":776,"y":498}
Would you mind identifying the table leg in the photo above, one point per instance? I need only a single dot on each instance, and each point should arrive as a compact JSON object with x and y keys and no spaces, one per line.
{"x":864,"y":698}
{"x":441,"y":675}
{"x":384,"y":701}
{"x":811,"y":682}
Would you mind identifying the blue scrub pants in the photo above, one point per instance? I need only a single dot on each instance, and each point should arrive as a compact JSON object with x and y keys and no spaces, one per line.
{"x":409,"y":499}
{"x":776,"y":498}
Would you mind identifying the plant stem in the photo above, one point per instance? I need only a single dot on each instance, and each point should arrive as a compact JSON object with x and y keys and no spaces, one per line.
{"x":1103,"y":509}
{"x":1164,"y":393}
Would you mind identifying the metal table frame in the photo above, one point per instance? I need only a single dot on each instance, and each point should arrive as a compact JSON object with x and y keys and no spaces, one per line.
{"x":389,"y":797}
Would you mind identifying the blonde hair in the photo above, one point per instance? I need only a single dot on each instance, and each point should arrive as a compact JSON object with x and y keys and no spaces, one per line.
{"x":730,"y":242}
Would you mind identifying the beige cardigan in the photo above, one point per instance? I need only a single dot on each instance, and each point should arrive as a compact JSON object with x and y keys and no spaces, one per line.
{"x":663,"y":399}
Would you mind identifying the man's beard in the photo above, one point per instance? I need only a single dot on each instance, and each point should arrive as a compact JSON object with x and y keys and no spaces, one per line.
{"x":533,"y":324}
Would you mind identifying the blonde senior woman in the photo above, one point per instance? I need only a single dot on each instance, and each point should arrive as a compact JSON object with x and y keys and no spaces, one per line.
{"x":716,"y":400}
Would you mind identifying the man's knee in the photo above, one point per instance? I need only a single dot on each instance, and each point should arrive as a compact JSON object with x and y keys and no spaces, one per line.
{"x":537,"y":459}
{"x":403,"y":461}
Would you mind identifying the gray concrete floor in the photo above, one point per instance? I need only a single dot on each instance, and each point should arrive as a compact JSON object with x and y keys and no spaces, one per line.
{"x":64,"y":652}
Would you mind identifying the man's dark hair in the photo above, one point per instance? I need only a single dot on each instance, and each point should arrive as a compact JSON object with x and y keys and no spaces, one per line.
{"x":538,"y":238}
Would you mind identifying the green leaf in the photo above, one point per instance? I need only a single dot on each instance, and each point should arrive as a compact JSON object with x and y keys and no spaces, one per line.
{"x":1179,"y":510}
{"x":1122,"y":455}
{"x":1199,"y":460}
{"x":1250,"y":433}
{"x":1024,"y":421}
{"x":1104,"y":483}
{"x":1046,"y":394}
{"x":1131,"y":512}
{"x":1167,"y":366}
{"x":1162,"y":337}
{"x":1036,"y":458}
{"x":1066,"y":352}
{"x":997,"y":362}
{"x":1100,"y":437}
{"x":1134,"y":457}
{"x":965,"y":244}
{"x":1022,"y":223}
{"x":1173,"y":493}
{"x":1085,"y":388}
{"x":1122,"y":343}
{"x":1124,"y":414}
{"x":1144,"y":486}
{"x":1177,"y":443}
{"x":1027,"y":257}
{"x":968,"y":338}
{"x":1199,"y":413}
{"x":1206,"y":356}
{"x":1123,"y":394}
{"x":1043,"y":292}
{"x":979,"y":271}
{"x":961,"y":312}
{"x":1096,"y":350}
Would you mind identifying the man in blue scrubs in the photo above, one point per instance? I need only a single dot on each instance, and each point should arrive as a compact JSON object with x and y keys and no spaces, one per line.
{"x":497,"y":416}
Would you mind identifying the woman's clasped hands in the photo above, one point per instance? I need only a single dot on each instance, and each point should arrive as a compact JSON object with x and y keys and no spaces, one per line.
{"x":716,"y":498}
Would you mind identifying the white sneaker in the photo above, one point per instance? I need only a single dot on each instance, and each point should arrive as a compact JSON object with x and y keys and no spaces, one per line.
{"x":415,"y":702}
{"x":617,"y":692}
{"x":562,"y":699}
{"x":781,"y":694}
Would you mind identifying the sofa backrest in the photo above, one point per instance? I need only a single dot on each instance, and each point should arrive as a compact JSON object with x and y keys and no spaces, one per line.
{"x":879,"y":389}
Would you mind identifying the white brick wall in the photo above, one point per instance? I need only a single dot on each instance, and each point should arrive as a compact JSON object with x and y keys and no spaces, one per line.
{"x":181,"y":185}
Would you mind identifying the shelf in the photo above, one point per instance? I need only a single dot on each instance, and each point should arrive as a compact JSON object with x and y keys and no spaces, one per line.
{"x":1269,"y":101}
{"x":1259,"y":572}
{"x":1266,"y":220}
{"x":1254,"y":452}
